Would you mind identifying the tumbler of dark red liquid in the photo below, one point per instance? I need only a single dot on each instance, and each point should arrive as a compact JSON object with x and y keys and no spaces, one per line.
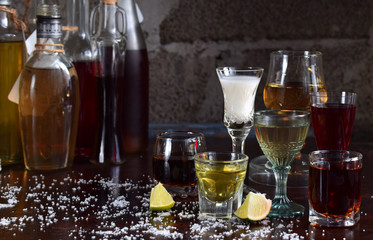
{"x":173,"y":160}
{"x":333,"y":115}
{"x":334,"y":188}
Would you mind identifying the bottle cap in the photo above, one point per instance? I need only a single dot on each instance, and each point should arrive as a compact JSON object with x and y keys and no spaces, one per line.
{"x":49,"y":10}
{"x":49,"y":21}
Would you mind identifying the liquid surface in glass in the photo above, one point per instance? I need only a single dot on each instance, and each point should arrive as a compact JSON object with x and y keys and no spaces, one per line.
{"x":281,"y":143}
{"x":292,"y":95}
{"x":335,"y":190}
{"x":239,"y":96}
{"x":332,"y":124}
{"x":176,"y":170}
{"x":220,"y":182}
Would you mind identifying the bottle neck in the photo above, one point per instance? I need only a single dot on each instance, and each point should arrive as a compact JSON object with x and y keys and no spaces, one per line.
{"x":135,"y":40}
{"x":49,"y":34}
{"x":107,"y":24}
{"x":4,"y":20}
{"x":78,"y":16}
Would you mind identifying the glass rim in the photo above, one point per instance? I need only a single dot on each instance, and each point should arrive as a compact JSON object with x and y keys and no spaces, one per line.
{"x":297,"y":53}
{"x":333,"y":93}
{"x":240,"y":68}
{"x":180,"y":134}
{"x":243,"y":157}
{"x":352,"y":156}
{"x":302,"y":113}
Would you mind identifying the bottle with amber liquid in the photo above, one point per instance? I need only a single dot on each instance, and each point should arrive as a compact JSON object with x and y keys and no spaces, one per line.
{"x":11,"y":63}
{"x":49,"y":98}
{"x":135,"y":112}
{"x":109,"y":44}
{"x":78,"y":49}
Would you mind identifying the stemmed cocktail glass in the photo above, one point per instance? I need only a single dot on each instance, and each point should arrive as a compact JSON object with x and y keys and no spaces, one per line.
{"x":281,"y":135}
{"x":239,"y":86}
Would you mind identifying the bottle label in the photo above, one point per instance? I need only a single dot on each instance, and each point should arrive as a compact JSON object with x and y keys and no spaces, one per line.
{"x":49,"y":28}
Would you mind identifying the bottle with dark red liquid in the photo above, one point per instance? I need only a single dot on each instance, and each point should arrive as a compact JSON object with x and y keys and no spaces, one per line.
{"x":136,"y":85}
{"x":78,"y":49}
{"x":109,"y":43}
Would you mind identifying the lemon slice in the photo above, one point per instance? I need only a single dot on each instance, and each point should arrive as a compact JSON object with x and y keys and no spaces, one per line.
{"x":255,"y":207}
{"x":160,"y":199}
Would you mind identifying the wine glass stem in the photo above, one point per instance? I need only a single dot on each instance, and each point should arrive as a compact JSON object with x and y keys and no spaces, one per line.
{"x":238,"y":138}
{"x":281,"y":175}
{"x":238,"y":144}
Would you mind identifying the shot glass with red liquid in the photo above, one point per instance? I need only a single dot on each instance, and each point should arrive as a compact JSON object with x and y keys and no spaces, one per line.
{"x":173,"y":161}
{"x":333,"y":115}
{"x":334,"y":188}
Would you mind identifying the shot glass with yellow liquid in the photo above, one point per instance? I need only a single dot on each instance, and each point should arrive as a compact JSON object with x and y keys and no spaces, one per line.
{"x":220,"y":182}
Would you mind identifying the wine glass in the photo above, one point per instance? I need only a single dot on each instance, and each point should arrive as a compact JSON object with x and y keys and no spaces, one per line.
{"x":239,"y":86}
{"x":292,"y":77}
{"x":281,"y":135}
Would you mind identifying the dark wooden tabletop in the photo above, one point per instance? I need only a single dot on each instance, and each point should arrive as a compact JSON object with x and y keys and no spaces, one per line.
{"x":112,"y":202}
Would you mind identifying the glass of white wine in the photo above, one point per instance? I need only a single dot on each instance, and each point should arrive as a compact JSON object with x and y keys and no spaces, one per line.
{"x":281,"y":135}
{"x":239,"y":86}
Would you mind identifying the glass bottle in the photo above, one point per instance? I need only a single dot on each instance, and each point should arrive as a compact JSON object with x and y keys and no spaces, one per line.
{"x":79,"y":50}
{"x":49,"y":98}
{"x":109,"y":43}
{"x":11,"y":63}
{"x":136,"y":86}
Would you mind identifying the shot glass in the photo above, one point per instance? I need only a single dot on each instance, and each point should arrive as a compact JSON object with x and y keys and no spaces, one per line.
{"x":173,"y":162}
{"x":334,"y":188}
{"x":333,"y":115}
{"x":220,"y":182}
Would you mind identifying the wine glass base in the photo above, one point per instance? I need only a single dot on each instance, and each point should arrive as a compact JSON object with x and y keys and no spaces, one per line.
{"x":260,"y":172}
{"x":288,"y":209}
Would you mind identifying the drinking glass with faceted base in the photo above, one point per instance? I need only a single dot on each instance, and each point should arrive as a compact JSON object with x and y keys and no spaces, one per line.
{"x":334,"y":188}
{"x":239,"y":86}
{"x":173,"y":162}
{"x":281,"y":135}
{"x":333,"y":115}
{"x":220,"y":182}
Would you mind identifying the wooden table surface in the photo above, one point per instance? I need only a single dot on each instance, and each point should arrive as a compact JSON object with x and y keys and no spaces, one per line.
{"x":111,"y":202}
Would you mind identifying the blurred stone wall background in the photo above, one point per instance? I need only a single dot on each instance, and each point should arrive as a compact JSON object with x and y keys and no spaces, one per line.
{"x":188,"y":39}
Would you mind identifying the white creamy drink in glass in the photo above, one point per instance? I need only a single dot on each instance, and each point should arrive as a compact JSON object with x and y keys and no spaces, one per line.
{"x":239,"y":88}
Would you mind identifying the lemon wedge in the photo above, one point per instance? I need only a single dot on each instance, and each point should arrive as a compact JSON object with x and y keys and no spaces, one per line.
{"x":255,"y":207}
{"x":160,"y":199}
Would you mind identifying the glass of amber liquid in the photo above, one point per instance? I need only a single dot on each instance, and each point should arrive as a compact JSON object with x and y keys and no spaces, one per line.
{"x":173,"y":162}
{"x":334,"y":189}
{"x":292,"y":76}
{"x":220,"y":182}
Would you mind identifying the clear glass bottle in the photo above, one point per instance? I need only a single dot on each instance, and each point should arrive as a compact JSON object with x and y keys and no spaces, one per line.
{"x":136,"y":86}
{"x":109,"y":41}
{"x":49,"y":98}
{"x":79,"y":50}
{"x":11,"y":63}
